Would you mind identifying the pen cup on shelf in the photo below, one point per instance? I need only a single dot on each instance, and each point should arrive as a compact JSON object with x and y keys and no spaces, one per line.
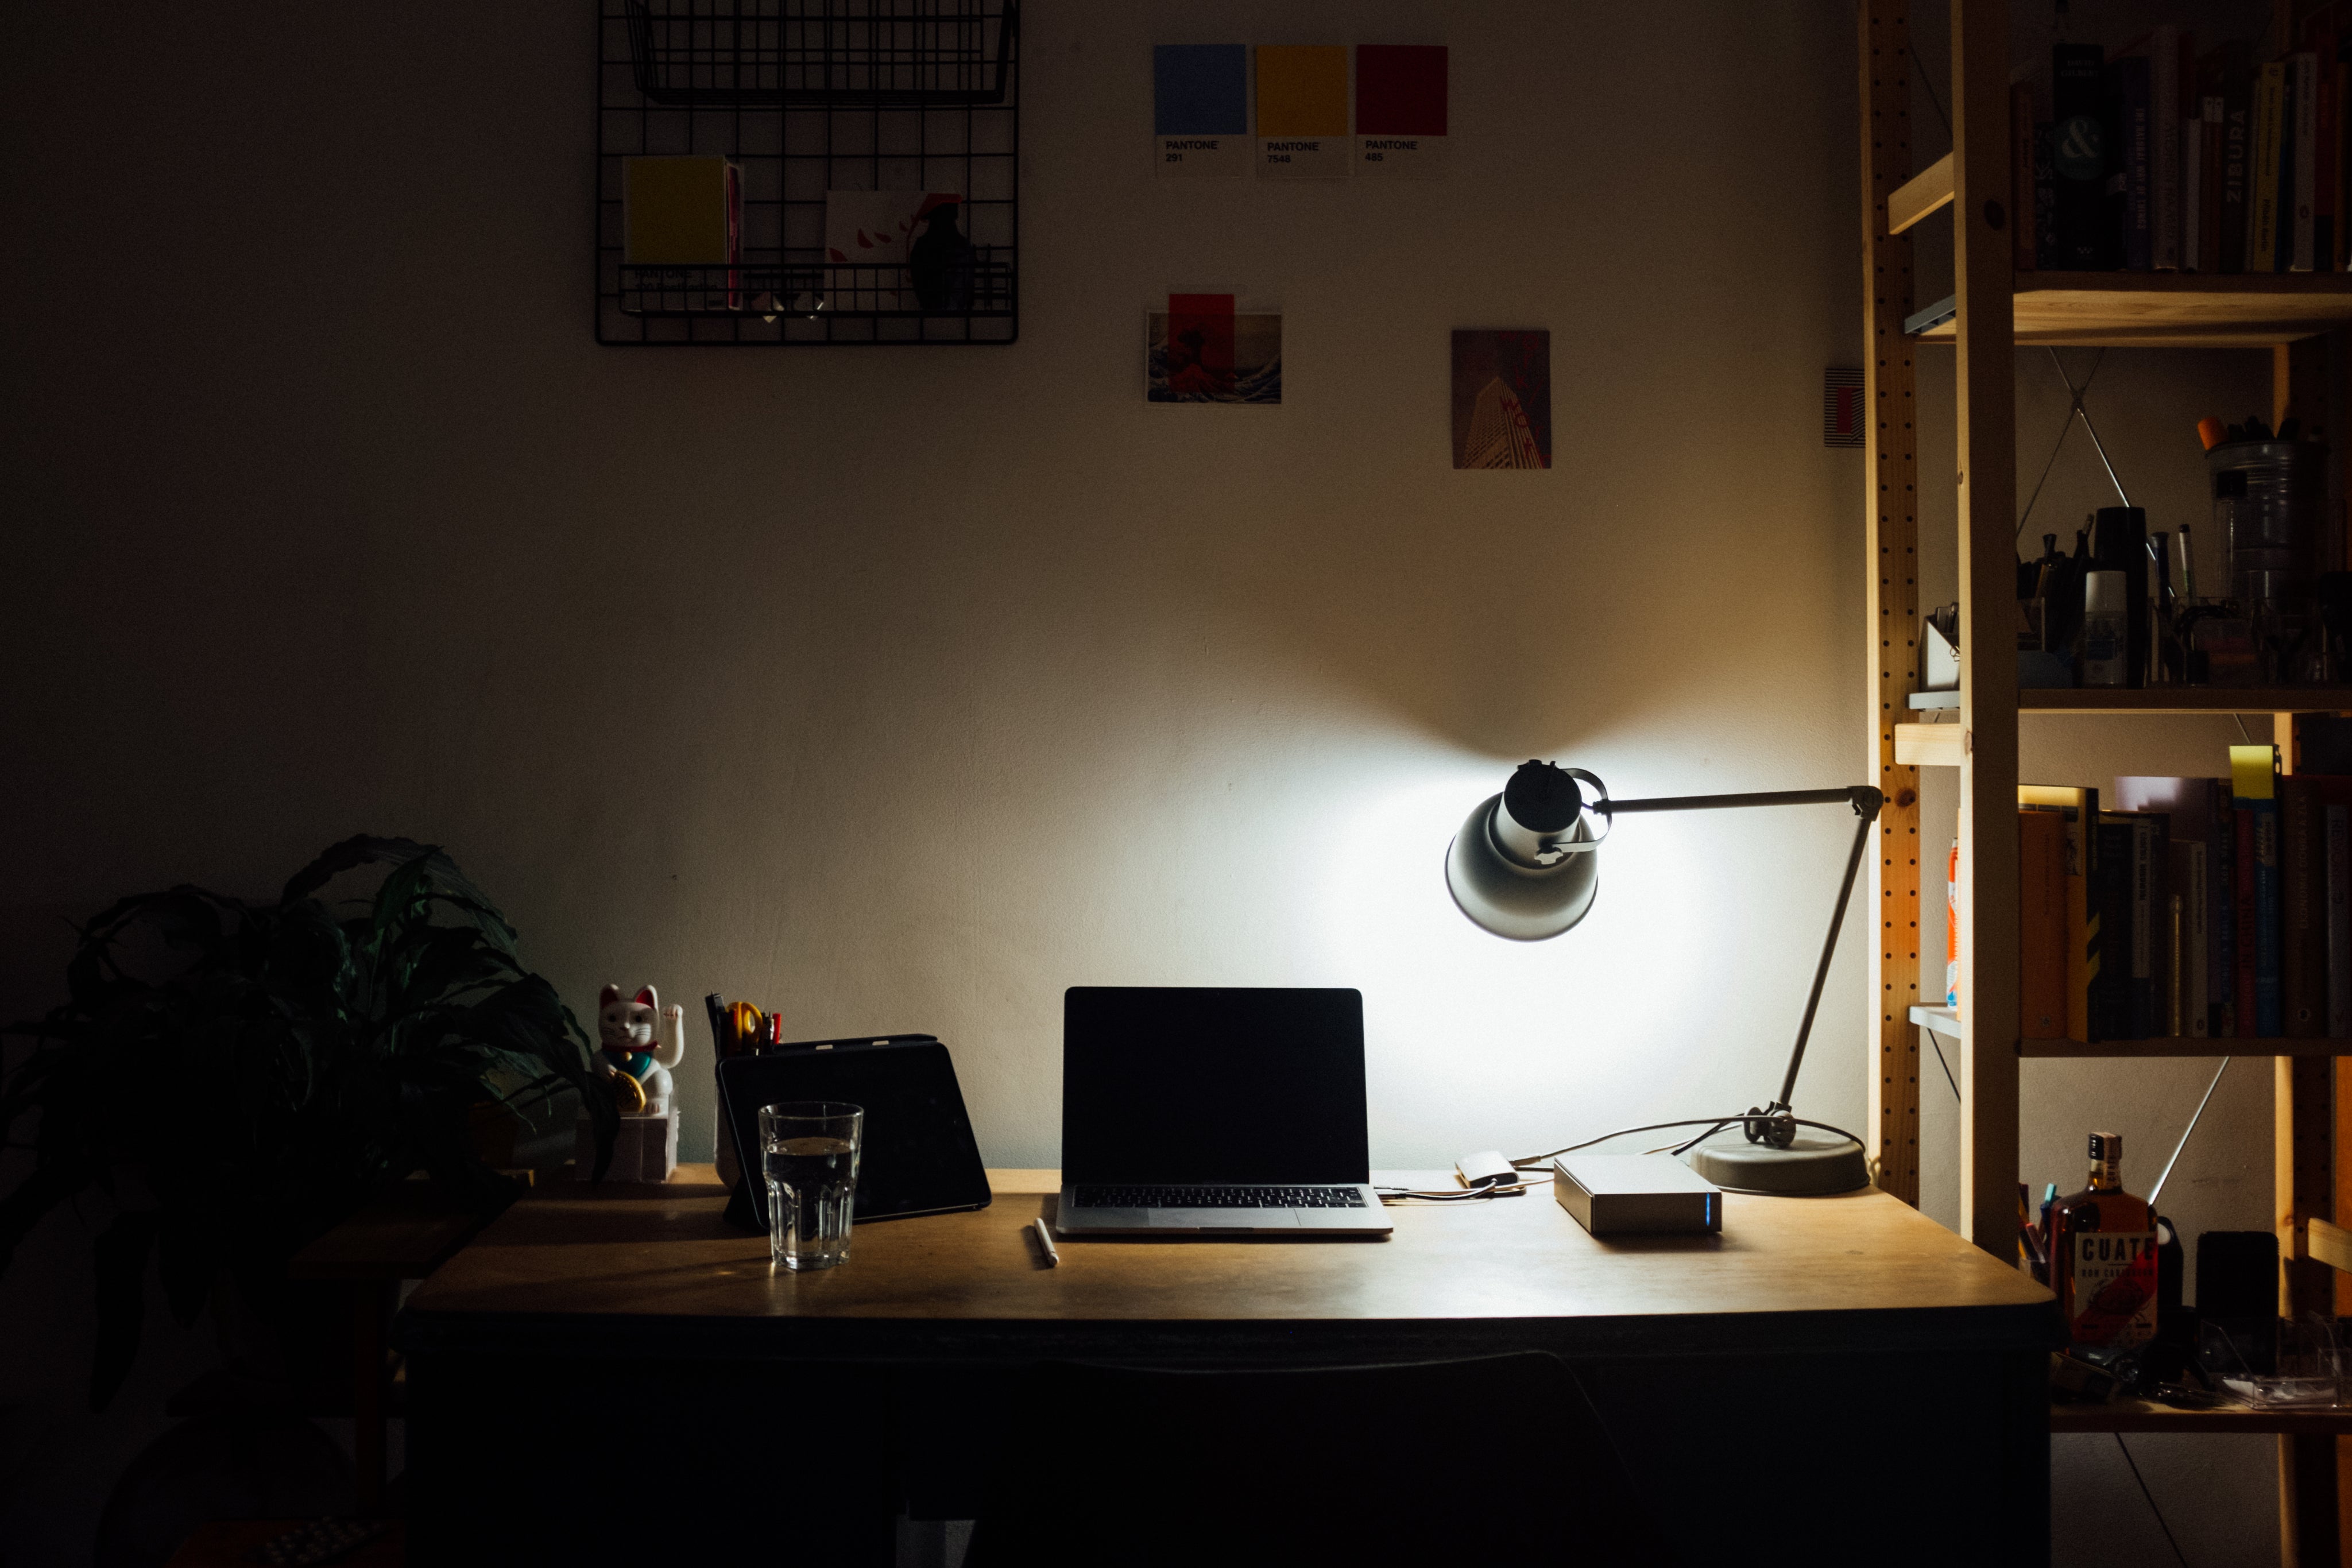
{"x":809,"y":1151}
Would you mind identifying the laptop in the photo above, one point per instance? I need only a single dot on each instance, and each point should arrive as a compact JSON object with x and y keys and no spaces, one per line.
{"x":1215,"y":1111}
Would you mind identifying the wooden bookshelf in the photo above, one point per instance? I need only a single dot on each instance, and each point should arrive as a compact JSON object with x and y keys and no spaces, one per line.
{"x":2182,"y":1045}
{"x":2141,"y":1415}
{"x":1946,"y":1022}
{"x":1993,"y":311}
{"x":2172,"y":310}
{"x":2188,"y":699}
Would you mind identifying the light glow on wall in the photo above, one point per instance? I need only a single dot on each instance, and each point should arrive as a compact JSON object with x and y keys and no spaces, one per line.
{"x":1677,"y":996}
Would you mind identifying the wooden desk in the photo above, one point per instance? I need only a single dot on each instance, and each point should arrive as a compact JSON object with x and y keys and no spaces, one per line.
{"x":1836,"y":1363}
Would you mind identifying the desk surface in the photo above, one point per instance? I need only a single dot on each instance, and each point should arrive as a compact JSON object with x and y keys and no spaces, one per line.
{"x":667,"y":1255}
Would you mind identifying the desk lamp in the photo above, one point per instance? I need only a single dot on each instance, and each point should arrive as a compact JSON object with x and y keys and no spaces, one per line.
{"x":1527,"y":866}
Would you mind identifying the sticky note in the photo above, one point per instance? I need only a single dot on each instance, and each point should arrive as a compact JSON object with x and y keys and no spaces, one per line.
{"x":1200,"y":110}
{"x":1302,"y":111}
{"x":1401,"y":110}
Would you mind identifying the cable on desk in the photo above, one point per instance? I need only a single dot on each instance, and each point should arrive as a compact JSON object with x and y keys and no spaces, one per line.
{"x":1714,"y":1125}
{"x":1455,"y":1195}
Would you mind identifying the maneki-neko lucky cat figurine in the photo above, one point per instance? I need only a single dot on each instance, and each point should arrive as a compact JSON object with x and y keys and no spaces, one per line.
{"x":640,"y":1041}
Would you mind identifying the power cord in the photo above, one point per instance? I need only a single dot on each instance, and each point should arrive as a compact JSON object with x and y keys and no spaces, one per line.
{"x":1456,"y":1195}
{"x":2177,"y":1554}
{"x":1713,"y":1124}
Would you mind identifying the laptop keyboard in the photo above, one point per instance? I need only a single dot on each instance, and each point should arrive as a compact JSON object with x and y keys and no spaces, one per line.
{"x":1221,"y":1197}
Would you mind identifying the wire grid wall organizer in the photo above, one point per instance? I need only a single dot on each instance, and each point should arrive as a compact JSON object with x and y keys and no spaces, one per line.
{"x":806,"y":97}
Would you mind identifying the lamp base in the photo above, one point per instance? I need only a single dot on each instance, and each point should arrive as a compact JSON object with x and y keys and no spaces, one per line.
{"x":1813,"y":1167}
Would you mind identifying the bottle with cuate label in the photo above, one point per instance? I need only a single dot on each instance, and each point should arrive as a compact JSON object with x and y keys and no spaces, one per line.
{"x":2103,"y":1256}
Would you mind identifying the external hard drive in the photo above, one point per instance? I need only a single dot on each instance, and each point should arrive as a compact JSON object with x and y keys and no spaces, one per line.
{"x":1636,"y":1194}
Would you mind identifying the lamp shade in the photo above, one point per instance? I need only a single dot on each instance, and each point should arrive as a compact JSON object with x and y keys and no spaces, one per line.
{"x":1527,"y":864}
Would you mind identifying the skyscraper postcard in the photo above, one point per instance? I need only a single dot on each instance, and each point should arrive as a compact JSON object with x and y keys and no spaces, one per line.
{"x":1201,"y":350}
{"x":1502,"y":399}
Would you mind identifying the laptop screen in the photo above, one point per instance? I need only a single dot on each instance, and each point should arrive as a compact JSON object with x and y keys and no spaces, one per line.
{"x":1182,"y":1084}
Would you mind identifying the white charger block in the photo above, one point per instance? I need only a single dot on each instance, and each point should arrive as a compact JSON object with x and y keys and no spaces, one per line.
{"x":646,"y":1148}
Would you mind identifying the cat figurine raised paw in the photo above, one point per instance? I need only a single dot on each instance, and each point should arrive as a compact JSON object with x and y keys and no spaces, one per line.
{"x":640,"y":1041}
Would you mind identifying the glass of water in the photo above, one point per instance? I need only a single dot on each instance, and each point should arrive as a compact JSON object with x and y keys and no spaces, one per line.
{"x":809,"y":1150}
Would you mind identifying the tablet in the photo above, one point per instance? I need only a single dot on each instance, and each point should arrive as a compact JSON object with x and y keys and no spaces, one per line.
{"x":919,"y":1155}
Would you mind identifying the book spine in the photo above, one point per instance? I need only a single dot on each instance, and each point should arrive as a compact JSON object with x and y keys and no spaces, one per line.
{"x":2245,"y":964}
{"x":2196,"y":947}
{"x":2192,"y":194}
{"x":2045,"y":201}
{"x":2327,"y":245}
{"x":2211,"y":127}
{"x":2339,"y":922}
{"x":2269,"y":1013}
{"x":2077,"y":156}
{"x":2129,"y":179}
{"x":2042,"y":930}
{"x":2150,"y":920}
{"x":2262,"y":187}
{"x":2303,"y":161}
{"x":2025,"y":253}
{"x":2221,"y":900}
{"x":2303,"y":940}
{"x":2111,"y":987}
{"x":2237,"y":166}
{"x":2082,"y":924}
{"x":2163,"y":118}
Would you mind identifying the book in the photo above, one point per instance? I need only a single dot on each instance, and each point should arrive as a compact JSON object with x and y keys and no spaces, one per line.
{"x":2191,"y":996}
{"x":2161,"y":48}
{"x":2078,"y":160}
{"x":2045,"y":201}
{"x":2212,"y":126}
{"x":2221,"y":876}
{"x":2227,"y":75}
{"x":2303,"y":913}
{"x":2042,"y":925}
{"x":2077,"y":810}
{"x":2338,"y":886}
{"x":2111,"y":893}
{"x":2326,"y":140}
{"x":2142,"y":998}
{"x":2253,"y":798}
{"x":2198,"y":811}
{"x":2298,"y":231}
{"x":2342,"y":185}
{"x":2128,"y":206}
{"x":2262,"y":178}
{"x":2025,"y":253}
{"x":2192,"y":191}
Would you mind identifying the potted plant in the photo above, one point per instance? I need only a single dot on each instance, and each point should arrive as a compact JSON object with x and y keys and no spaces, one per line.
{"x":239,"y":1077}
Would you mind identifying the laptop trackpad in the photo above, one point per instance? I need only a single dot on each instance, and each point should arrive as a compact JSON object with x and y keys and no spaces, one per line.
{"x":1234,"y":1219}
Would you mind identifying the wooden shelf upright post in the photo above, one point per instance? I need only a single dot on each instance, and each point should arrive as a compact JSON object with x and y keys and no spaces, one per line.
{"x":1893,"y":541}
{"x":1986,"y":396}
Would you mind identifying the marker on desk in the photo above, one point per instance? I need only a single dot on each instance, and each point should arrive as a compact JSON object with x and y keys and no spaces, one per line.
{"x":1046,"y":1240}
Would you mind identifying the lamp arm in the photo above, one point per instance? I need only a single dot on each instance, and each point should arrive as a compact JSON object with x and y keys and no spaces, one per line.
{"x":1865,"y":799}
{"x":1865,"y":802}
{"x":1862,"y":827}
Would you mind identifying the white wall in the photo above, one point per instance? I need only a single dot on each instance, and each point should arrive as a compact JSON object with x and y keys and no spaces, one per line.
{"x":901,"y":689}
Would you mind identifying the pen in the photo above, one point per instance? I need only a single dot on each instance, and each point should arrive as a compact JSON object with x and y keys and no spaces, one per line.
{"x":1045,"y":1240}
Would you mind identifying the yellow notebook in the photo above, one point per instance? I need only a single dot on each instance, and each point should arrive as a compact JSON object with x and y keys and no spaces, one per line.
{"x":679,"y":212}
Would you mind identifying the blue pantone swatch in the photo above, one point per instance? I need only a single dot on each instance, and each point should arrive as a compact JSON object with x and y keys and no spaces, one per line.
{"x":1199,"y":89}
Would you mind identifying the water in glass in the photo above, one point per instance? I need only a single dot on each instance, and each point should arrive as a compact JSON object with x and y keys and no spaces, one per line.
{"x":811,"y":1166}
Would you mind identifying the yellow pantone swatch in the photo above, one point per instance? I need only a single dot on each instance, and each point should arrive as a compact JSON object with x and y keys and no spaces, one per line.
{"x":1302,"y":91}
